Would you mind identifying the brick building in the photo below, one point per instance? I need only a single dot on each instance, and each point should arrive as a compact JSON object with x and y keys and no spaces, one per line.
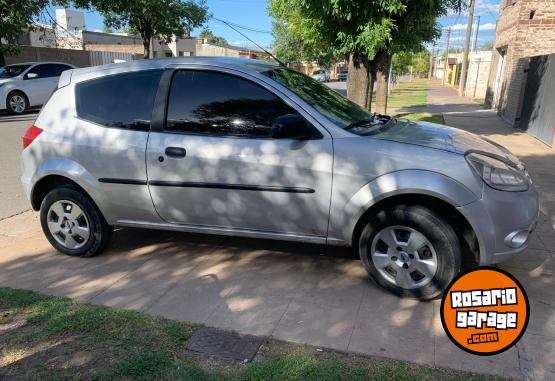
{"x":525,"y":28}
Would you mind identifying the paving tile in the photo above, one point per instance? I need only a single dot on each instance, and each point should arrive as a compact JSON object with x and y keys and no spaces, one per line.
{"x":541,"y":352}
{"x":449,"y":355}
{"x":255,"y":315}
{"x":141,"y":288}
{"x":393,"y":327}
{"x":318,"y":325}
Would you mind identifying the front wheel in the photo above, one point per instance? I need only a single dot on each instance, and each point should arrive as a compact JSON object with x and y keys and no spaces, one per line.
{"x":72,"y":224}
{"x":410,"y":251}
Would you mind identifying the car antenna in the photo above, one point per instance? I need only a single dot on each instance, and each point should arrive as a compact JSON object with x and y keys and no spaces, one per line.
{"x":265,"y":51}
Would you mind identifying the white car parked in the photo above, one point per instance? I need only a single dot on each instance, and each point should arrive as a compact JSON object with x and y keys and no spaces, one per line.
{"x":321,"y":75}
{"x":28,"y":84}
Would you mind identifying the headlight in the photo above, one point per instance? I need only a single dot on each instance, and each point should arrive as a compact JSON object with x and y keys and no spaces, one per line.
{"x":498,"y":174}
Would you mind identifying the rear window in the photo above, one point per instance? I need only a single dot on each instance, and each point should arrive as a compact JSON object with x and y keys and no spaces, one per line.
{"x":119,"y":101}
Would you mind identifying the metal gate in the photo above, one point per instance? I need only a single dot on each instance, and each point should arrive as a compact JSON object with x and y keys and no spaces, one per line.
{"x":538,"y":113}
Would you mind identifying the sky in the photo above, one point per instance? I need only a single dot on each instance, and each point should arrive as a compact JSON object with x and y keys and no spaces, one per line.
{"x":253,"y":14}
{"x":488,"y":10}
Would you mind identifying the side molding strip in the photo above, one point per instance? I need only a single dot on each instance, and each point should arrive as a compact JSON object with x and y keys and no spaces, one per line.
{"x":186,"y":184}
{"x":121,"y":181}
{"x":260,"y":188}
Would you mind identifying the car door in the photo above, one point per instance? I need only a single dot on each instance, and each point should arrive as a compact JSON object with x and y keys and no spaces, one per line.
{"x":39,"y":88}
{"x":214,"y":163}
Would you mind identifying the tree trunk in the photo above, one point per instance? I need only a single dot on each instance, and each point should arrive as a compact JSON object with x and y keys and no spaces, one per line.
{"x":2,"y":59}
{"x":146,"y":46}
{"x":382,"y":63}
{"x":358,"y":80}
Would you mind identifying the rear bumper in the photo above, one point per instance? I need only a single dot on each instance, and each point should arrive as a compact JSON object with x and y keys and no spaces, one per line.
{"x":503,"y":222}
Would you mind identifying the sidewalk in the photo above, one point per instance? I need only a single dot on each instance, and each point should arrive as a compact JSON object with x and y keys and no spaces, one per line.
{"x":301,"y":293}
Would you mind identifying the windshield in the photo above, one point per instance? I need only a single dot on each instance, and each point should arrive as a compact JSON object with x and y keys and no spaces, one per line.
{"x":338,"y":109}
{"x":12,"y":70}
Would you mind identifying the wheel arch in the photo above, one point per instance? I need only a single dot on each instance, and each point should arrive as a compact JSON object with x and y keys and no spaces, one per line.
{"x":463,"y":228}
{"x":433,"y":189}
{"x":59,"y":171}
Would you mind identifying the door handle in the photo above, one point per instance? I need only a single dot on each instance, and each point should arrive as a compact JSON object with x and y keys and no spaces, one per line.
{"x":175,"y":152}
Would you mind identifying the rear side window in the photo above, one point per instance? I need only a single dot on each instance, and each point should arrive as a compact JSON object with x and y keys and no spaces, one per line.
{"x":120,"y":101}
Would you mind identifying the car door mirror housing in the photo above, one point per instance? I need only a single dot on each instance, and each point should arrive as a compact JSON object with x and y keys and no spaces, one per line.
{"x":291,"y":126}
{"x":31,"y":76}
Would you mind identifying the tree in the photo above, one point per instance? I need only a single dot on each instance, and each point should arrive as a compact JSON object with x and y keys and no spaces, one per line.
{"x":160,"y":19}
{"x":404,"y":62}
{"x":401,"y":63}
{"x":355,"y":29}
{"x":421,"y":62}
{"x":486,"y":45}
{"x":107,"y":29}
{"x":291,"y":49}
{"x":212,"y":38}
{"x":14,"y":19}
{"x":367,"y":32}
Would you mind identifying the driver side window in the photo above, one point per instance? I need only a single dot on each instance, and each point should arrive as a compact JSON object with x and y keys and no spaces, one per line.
{"x":212,"y":103}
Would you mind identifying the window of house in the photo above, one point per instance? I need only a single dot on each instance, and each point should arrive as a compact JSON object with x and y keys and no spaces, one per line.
{"x":120,"y":101}
{"x":204,"y":102}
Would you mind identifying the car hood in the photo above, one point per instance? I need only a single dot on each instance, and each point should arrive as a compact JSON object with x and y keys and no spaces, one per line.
{"x":5,"y":80}
{"x":441,"y":137}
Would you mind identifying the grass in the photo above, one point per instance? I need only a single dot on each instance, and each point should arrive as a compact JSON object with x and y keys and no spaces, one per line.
{"x":424,"y":117}
{"x":409,"y":94}
{"x":53,"y":338}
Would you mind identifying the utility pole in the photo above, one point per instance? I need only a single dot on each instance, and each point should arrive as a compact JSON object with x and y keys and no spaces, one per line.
{"x":432,"y":60}
{"x":476,"y":36}
{"x":446,"y":63}
{"x":462,"y":83}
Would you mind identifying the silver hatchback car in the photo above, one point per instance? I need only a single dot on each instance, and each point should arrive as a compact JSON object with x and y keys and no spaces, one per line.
{"x":245,"y":148}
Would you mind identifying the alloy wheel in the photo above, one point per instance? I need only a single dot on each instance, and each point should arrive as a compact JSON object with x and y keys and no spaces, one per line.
{"x":17,"y":103}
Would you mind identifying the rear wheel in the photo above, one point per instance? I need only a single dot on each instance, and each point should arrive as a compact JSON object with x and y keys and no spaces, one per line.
{"x":72,"y":224}
{"x":410,"y":251}
{"x":16,"y":102}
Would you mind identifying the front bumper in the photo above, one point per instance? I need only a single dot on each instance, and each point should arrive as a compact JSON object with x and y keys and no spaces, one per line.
{"x":503,"y":222}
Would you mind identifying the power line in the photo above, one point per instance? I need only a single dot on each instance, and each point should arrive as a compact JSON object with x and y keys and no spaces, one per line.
{"x":229,"y":23}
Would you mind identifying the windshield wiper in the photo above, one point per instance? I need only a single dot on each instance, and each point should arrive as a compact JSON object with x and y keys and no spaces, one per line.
{"x":366,"y":122}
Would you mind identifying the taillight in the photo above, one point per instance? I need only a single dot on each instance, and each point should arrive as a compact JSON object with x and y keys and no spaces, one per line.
{"x":30,"y":135}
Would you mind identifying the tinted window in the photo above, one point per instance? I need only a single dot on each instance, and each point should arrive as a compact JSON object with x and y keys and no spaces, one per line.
{"x":203,"y":102}
{"x":47,"y":70}
{"x":56,"y":70}
{"x":122,"y":101}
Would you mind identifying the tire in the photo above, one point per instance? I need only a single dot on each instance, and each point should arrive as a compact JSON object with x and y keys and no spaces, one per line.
{"x":429,"y":255}
{"x":81,"y":216}
{"x":17,"y":103}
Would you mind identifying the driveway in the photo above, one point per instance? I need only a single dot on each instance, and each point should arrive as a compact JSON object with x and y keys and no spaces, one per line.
{"x":301,"y":293}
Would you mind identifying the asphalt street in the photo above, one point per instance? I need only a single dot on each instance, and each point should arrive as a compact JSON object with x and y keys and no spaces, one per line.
{"x":12,"y":128}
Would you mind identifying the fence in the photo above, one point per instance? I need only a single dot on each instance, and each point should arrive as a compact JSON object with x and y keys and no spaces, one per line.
{"x":79,"y":58}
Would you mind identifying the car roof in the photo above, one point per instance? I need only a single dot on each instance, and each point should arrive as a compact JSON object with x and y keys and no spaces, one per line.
{"x":246,"y":64}
{"x":40,"y":62}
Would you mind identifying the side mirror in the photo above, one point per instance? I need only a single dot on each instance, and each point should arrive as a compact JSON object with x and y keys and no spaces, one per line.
{"x":291,"y":126}
{"x":31,"y":76}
